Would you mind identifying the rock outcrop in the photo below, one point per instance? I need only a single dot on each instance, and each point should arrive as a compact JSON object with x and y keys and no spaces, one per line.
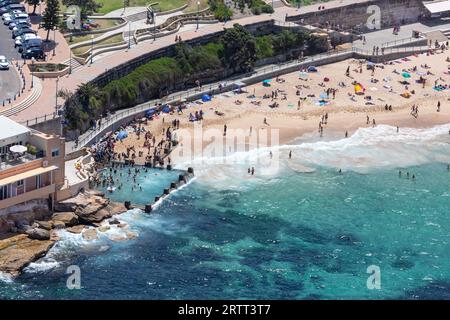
{"x":68,"y":218}
{"x":37,"y":233}
{"x":17,"y":251}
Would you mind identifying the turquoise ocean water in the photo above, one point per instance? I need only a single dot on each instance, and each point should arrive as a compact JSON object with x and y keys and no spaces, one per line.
{"x":282,"y":234}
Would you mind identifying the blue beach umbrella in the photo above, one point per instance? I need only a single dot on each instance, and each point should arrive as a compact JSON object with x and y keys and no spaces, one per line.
{"x":206,"y":98}
{"x":312,"y":69}
{"x":122,"y":135}
{"x":406,"y":75}
{"x":166,"y":109}
{"x":150,"y":112}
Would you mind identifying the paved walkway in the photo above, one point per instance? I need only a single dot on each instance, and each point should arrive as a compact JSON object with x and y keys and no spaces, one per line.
{"x":46,"y":103}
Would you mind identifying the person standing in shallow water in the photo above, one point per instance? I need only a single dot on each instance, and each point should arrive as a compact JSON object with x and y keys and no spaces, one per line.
{"x":290,"y":154}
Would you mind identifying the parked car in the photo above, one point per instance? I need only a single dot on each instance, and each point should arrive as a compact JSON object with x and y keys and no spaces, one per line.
{"x":20,"y":15}
{"x":12,"y":7}
{"x":7,"y":2}
{"x":33,"y":52}
{"x":31,"y":43}
{"x":25,"y":38}
{"x":21,"y":31}
{"x":10,"y":14}
{"x":4,"y":63}
{"x":18,"y":23}
{"x":8,"y":19}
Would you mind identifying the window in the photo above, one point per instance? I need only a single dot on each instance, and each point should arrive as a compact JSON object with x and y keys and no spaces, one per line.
{"x":4,"y":192}
{"x":20,"y":183}
{"x":55,"y":153}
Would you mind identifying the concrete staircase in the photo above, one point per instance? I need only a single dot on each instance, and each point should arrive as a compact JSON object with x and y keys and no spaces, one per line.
{"x":75,"y":64}
{"x":32,"y":98}
{"x":446,"y":33}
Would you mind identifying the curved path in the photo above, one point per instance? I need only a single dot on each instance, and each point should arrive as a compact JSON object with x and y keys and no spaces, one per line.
{"x":45,"y":103}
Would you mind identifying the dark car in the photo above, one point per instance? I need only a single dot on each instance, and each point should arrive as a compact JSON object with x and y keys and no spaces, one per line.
{"x":19,"y":23}
{"x":21,"y":31}
{"x":8,"y":2}
{"x":32,"y":43}
{"x":11,"y":7}
{"x":33,"y":52}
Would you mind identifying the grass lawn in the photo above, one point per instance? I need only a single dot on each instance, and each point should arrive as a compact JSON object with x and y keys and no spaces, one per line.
{"x":81,"y":38}
{"x":192,"y":5}
{"x":163,"y":5}
{"x":113,"y":40}
{"x":107,"y":23}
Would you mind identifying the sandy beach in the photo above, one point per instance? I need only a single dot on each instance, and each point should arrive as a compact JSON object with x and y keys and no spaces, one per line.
{"x":385,"y":95}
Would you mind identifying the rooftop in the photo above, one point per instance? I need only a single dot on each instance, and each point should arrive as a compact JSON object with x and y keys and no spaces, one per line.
{"x":10,"y":128}
{"x":437,"y":6}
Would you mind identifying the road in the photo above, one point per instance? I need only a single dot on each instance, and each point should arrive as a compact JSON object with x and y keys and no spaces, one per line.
{"x":9,"y":80}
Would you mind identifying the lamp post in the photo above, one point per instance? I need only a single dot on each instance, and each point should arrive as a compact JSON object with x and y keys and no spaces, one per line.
{"x":54,"y":41}
{"x":56,"y":96}
{"x":70,"y":61}
{"x":92,"y":49}
{"x":32,"y":72}
{"x":154,"y":24}
{"x":198,"y":13}
{"x":129,"y":35}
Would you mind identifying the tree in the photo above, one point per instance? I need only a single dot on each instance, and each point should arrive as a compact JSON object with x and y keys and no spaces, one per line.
{"x":87,"y":7}
{"x":50,"y":19}
{"x":33,"y":3}
{"x":239,"y":49}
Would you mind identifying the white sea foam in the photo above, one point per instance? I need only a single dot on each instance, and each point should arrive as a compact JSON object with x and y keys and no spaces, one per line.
{"x":62,"y":251}
{"x":367,"y":149}
{"x":6,"y":278}
{"x":42,"y":265}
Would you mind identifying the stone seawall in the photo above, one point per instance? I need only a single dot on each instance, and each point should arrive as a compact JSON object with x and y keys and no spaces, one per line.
{"x":355,"y":16}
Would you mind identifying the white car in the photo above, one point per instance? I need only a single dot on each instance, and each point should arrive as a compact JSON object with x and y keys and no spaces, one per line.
{"x":4,"y":64}
{"x":8,"y":20}
{"x":25,"y":37}
{"x":9,"y":15}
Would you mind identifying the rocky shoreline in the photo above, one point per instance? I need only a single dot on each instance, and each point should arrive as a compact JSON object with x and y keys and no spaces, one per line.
{"x":28,"y":240}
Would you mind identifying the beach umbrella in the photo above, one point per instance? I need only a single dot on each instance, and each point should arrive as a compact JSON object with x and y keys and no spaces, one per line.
{"x":18,"y":149}
{"x":323,"y":95}
{"x":406,"y":75}
{"x":206,"y":98}
{"x":312,"y":69}
{"x":150,"y":112}
{"x":266,"y":83}
{"x":122,"y":135}
{"x":166,"y":109}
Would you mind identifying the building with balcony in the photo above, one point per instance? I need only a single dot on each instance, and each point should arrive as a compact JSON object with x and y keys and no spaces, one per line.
{"x":31,"y":165}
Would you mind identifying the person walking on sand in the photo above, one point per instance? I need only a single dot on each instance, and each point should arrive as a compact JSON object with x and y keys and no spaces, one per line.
{"x":224,"y":130}
{"x":439,"y":106}
{"x":346,"y":134}
{"x":373,"y":123}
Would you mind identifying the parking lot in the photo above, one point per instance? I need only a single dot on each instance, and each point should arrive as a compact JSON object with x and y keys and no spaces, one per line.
{"x":9,"y":80}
